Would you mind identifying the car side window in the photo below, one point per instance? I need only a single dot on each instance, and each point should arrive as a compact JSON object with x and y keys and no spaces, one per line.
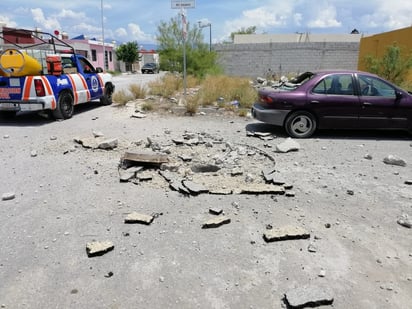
{"x":372,"y":86}
{"x":336,"y":84}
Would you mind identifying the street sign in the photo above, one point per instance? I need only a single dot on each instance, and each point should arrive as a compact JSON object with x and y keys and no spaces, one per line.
{"x":183,"y":4}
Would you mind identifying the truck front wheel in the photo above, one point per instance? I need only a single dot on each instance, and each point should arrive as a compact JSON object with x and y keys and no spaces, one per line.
{"x":107,"y":99}
{"x":65,"y":106}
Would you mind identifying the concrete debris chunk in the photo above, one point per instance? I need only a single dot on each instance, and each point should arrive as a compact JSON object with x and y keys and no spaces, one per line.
{"x":252,"y":188}
{"x":97,"y":133}
{"x":130,"y":173}
{"x":216,"y":222}
{"x":405,"y":221}
{"x":108,"y":144}
{"x":288,"y":145}
{"x":97,"y":248}
{"x":205,"y":168}
{"x":8,"y":196}
{"x":285,"y":233}
{"x":308,"y":296}
{"x":194,"y":188}
{"x":138,"y":115}
{"x":408,"y":182}
{"x":135,"y":217}
{"x":145,"y":158}
{"x":394,"y":160}
{"x":215,"y":211}
{"x":177,"y":185}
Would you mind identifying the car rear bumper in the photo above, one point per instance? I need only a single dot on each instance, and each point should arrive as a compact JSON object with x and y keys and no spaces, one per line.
{"x":271,"y":116}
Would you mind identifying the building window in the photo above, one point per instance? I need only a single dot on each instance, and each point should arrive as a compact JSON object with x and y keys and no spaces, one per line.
{"x":94,"y":55}
{"x":110,"y":56}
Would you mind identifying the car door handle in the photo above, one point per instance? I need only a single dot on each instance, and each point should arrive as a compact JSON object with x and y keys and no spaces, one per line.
{"x":367,"y":104}
{"x":314,"y":102}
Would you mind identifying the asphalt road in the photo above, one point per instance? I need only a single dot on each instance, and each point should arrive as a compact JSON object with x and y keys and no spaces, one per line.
{"x":66,"y":195}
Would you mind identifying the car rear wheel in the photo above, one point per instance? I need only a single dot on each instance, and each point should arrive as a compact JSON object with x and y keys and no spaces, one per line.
{"x":300,"y":124}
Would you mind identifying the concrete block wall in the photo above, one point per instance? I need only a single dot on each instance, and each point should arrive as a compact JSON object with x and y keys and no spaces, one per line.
{"x":252,"y":60}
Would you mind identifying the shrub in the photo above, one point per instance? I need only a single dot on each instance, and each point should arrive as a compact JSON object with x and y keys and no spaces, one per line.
{"x":138,"y":91}
{"x":122,"y":97}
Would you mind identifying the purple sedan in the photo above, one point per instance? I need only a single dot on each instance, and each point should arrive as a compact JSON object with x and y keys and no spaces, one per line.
{"x":334,"y":100}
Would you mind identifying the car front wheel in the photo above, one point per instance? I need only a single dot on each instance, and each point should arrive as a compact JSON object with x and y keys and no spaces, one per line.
{"x":300,"y":124}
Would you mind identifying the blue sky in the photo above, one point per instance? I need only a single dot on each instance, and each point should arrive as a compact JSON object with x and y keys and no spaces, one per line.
{"x":137,"y":20}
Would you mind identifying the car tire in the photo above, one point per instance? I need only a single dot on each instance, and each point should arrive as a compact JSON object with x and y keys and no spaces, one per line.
{"x":65,"y":106}
{"x":107,"y":98}
{"x":300,"y":124}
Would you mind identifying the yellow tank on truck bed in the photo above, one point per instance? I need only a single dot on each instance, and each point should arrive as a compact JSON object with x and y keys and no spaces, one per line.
{"x":15,"y":63}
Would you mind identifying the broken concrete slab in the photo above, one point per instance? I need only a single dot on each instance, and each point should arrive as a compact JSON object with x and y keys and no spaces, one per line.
{"x":138,"y":115}
{"x":216,"y":222}
{"x":108,"y":144}
{"x":405,"y":221}
{"x":177,"y":185}
{"x":135,"y":217}
{"x":97,"y":248}
{"x":130,"y":173}
{"x":394,"y":160}
{"x":194,"y":188}
{"x":8,"y":196}
{"x":221,"y":191}
{"x":256,"y":188}
{"x":167,"y":175}
{"x":86,"y":142}
{"x":145,"y":158}
{"x":309,"y":296}
{"x":288,"y":145}
{"x":205,"y":168}
{"x":285,"y":233}
{"x":215,"y":211}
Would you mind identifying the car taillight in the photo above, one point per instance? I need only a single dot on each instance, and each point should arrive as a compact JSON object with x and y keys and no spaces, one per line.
{"x":38,"y":85}
{"x":266,"y":99}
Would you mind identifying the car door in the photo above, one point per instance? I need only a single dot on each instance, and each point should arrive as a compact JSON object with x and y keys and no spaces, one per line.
{"x":379,"y":104}
{"x":94,"y":86}
{"x":334,"y":101}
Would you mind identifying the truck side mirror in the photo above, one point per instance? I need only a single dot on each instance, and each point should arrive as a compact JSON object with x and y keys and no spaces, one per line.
{"x":99,"y":70}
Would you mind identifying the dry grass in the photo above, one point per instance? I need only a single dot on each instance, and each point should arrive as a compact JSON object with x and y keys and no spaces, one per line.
{"x":147,"y":106}
{"x":121,"y":97}
{"x":228,"y":88}
{"x":167,"y":86}
{"x":138,"y":91}
{"x":210,"y":90}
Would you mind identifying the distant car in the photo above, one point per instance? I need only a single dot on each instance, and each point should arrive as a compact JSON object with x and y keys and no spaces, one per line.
{"x":334,"y":100}
{"x":150,"y":67}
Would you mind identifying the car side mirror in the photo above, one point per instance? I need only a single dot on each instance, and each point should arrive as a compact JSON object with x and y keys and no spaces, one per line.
{"x":99,"y":70}
{"x":398,"y":94}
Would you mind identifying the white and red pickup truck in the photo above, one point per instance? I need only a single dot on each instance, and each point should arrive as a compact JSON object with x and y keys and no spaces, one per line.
{"x":49,"y":76}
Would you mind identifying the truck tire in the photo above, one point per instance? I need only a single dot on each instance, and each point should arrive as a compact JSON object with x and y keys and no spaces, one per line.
{"x":65,"y":106}
{"x":107,"y":98}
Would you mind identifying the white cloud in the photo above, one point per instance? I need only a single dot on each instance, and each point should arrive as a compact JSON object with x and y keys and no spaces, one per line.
{"x":50,"y":23}
{"x":121,"y":32}
{"x":325,"y":18}
{"x":7,"y":21}
{"x":71,"y":14}
{"x":137,"y":34}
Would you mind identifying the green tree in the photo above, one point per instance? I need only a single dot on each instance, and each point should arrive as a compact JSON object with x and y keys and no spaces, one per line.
{"x":129,"y":53}
{"x":199,"y":60}
{"x":249,"y":30}
{"x":394,"y":65}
